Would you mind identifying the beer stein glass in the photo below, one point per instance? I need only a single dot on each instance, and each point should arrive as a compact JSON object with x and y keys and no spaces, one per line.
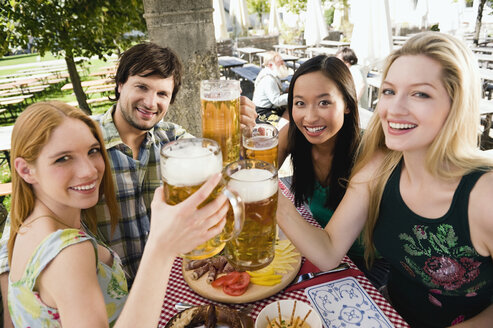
{"x":256,"y":183}
{"x":261,"y":143}
{"x":185,"y":165}
{"x":220,"y":109}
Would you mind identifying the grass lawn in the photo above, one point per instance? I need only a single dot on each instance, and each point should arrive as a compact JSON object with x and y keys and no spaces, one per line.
{"x":13,"y":64}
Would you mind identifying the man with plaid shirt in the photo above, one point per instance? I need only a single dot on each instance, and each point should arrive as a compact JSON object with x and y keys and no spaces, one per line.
{"x":147,"y":81}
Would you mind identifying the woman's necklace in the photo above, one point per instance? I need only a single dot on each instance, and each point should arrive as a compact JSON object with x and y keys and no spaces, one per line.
{"x":51,"y":217}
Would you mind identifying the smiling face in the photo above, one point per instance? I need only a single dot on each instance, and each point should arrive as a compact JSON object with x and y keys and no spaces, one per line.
{"x":414,"y":103}
{"x":144,"y":101}
{"x":318,"y":108}
{"x":68,"y":172}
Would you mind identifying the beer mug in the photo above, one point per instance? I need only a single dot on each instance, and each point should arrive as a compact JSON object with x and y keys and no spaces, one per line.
{"x":220,"y":109}
{"x":256,"y":183}
{"x":261,"y":143}
{"x":185,"y":166}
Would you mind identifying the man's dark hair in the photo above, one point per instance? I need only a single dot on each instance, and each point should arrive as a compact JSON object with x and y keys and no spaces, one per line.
{"x":348,"y":55}
{"x":147,"y":59}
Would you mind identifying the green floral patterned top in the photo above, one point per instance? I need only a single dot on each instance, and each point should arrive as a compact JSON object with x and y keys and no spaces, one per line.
{"x":437,"y":279}
{"x":26,"y":307}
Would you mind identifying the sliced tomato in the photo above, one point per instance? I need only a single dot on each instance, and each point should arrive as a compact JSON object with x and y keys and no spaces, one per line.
{"x":230,"y":278}
{"x":241,"y":283}
{"x":234,"y":292}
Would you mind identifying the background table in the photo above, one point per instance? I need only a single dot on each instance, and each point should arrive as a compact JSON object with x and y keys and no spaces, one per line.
{"x":179,"y":291}
{"x":250,"y":51}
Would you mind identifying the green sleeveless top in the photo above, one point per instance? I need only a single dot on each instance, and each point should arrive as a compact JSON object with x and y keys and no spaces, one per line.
{"x":322,"y":215}
{"x":436,"y":278}
{"x":26,"y":307}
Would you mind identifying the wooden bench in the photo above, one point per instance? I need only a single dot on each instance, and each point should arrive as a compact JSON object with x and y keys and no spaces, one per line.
{"x":247,"y":72}
{"x":90,"y":101}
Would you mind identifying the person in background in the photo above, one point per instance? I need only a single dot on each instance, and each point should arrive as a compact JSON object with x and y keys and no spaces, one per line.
{"x":321,"y":140}
{"x":61,"y":275}
{"x":269,"y":96}
{"x":349,"y":58}
{"x":420,"y":189}
{"x":147,"y":81}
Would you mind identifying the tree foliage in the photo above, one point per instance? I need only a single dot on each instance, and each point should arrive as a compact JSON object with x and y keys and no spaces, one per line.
{"x":259,"y":7}
{"x":294,"y":6}
{"x":71,"y":28}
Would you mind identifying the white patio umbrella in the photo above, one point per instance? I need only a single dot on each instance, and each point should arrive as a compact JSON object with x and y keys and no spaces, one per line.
{"x":274,"y":20}
{"x":446,"y":13}
{"x":372,"y":33}
{"x":238,"y":12}
{"x":219,"y":19}
{"x":315,"y":26}
{"x":421,"y":13}
{"x":401,"y":13}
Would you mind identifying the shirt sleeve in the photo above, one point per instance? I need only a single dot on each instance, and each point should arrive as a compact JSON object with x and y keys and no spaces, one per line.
{"x":272,"y":91}
{"x":4,"y":260}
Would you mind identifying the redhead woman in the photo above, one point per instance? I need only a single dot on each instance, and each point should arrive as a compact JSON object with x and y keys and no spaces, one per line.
{"x":60,"y":274}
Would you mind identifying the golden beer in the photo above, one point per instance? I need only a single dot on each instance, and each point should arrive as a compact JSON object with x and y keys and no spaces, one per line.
{"x":185,"y":166}
{"x":261,"y":143}
{"x":253,"y":248}
{"x":220,"y":110}
{"x":261,"y":148}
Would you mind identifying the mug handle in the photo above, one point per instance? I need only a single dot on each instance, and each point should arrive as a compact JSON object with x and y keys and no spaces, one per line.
{"x":238,"y":208}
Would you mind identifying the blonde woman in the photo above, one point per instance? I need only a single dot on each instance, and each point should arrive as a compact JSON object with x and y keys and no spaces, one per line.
{"x":60,"y":274}
{"x":420,"y":189}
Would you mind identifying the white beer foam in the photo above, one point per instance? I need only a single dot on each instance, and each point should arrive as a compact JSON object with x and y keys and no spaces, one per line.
{"x":261,"y":143}
{"x":222,"y":97}
{"x":190,"y":166}
{"x":253,"y":185}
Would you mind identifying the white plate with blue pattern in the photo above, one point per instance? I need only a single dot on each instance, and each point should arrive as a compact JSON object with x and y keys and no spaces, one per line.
{"x":344,"y":303}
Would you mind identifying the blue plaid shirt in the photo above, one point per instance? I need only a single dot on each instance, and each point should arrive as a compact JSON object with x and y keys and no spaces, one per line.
{"x":135,"y":182}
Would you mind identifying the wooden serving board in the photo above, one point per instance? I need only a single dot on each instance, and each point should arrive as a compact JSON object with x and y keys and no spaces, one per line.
{"x":252,"y":294}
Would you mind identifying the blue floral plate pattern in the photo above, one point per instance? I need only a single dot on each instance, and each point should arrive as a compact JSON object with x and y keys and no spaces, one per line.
{"x":344,"y":303}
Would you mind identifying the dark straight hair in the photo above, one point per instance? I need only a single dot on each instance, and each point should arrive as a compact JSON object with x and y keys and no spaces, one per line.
{"x":347,"y":139}
{"x":147,"y":59}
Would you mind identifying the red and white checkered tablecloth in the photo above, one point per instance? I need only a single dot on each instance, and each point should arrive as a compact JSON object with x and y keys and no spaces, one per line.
{"x":179,"y":291}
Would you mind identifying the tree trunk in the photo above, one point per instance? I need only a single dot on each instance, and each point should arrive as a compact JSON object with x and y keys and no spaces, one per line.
{"x":478,"y":22}
{"x":188,"y":29}
{"x":75,"y":79}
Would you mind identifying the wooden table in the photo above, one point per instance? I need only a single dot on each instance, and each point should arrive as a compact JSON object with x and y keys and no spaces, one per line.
{"x":14,"y":100}
{"x":313,"y":51}
{"x":484,"y":60}
{"x":374,"y":83}
{"x":226,"y":63}
{"x":332,"y":43}
{"x":179,"y":291}
{"x":5,"y":142}
{"x":482,"y":50}
{"x":285,"y":57}
{"x":250,"y":51}
{"x":486,"y":74}
{"x":486,"y":109}
{"x":91,"y":83}
{"x":289,"y":49}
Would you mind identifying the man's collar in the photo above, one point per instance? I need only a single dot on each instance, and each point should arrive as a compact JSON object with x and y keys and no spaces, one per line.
{"x":111,"y":135}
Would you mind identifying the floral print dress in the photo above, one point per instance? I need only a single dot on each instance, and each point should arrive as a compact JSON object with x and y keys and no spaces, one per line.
{"x":437,"y":278}
{"x":25,"y":305}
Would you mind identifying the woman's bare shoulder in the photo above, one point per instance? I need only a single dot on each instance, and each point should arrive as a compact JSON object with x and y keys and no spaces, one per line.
{"x":481,"y":214}
{"x":365,"y":173}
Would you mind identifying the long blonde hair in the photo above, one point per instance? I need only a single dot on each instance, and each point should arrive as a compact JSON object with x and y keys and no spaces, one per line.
{"x":454,"y":152}
{"x":31,"y":132}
